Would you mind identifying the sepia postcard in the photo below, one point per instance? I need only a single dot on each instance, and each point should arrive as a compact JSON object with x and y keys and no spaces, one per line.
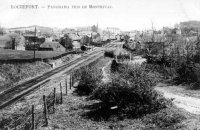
{"x":100,"y":65}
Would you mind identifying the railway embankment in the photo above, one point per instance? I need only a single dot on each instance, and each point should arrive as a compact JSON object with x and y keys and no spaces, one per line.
{"x":13,"y":73}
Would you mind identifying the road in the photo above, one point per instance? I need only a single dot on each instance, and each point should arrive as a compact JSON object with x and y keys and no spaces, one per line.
{"x":17,"y":92}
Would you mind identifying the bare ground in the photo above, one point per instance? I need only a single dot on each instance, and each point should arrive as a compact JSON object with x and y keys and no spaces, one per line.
{"x":180,"y":98}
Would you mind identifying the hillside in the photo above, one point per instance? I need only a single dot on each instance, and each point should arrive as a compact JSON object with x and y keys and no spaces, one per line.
{"x":191,"y":24}
{"x":17,"y":54}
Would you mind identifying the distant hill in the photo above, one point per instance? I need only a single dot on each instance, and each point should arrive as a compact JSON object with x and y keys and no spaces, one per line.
{"x":40,"y":29}
{"x":190,"y":24}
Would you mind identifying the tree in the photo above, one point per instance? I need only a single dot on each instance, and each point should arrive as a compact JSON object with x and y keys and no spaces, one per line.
{"x":126,"y":38}
{"x":84,"y":40}
{"x":1,"y":31}
{"x":66,"y":41}
{"x":94,"y":28}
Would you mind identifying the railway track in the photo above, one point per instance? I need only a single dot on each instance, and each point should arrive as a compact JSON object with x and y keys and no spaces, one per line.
{"x":17,"y":92}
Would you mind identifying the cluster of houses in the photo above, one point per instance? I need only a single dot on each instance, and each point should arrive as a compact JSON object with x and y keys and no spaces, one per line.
{"x":45,"y":38}
{"x":170,"y":37}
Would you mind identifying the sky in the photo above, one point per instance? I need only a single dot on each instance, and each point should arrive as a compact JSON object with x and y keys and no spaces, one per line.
{"x":124,"y":14}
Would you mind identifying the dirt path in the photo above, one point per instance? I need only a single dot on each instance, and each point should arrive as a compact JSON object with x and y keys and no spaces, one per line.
{"x":106,"y":72}
{"x":181,"y":100}
{"x":180,"y":96}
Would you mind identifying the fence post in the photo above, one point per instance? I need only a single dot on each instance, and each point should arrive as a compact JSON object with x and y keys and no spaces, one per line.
{"x":45,"y":111}
{"x":116,"y":58}
{"x":60,"y":92}
{"x":33,"y":118}
{"x":66,"y":86}
{"x":54,"y":99}
{"x":15,"y":127}
{"x":70,"y":81}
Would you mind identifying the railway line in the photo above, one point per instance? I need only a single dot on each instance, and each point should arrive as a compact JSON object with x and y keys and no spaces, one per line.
{"x":17,"y":92}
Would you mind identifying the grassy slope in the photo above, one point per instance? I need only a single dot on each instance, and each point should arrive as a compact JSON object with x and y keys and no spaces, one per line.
{"x":18,"y":54}
{"x":13,"y":73}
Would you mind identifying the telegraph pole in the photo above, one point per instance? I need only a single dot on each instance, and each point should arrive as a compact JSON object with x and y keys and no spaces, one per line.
{"x":90,"y":41}
{"x":34,"y":42}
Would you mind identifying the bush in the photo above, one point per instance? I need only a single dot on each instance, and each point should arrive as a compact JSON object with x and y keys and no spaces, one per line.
{"x":85,"y":40}
{"x":89,"y":78}
{"x":131,"y":90}
{"x":123,"y":56}
{"x":83,"y":48}
{"x":66,"y":41}
{"x":114,"y":66}
{"x":189,"y":73}
{"x":109,"y":53}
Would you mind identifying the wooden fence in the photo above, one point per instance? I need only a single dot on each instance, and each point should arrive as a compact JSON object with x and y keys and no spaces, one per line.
{"x":31,"y":118}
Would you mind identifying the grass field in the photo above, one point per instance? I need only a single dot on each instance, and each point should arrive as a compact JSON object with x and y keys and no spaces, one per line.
{"x":6,"y":54}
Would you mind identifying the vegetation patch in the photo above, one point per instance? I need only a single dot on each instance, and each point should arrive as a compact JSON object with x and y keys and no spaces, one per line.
{"x":89,"y":76}
{"x":14,"y":73}
{"x":114,"y":66}
{"x":109,"y":53}
{"x":168,"y":118}
{"x":17,"y":54}
{"x":131,"y":92}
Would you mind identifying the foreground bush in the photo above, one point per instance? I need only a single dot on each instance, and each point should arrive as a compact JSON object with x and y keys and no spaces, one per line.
{"x":123,"y":56}
{"x":131,"y":90}
{"x":180,"y":69}
{"x":189,"y":73}
{"x":89,"y":79}
{"x":109,"y":53}
{"x":114,"y":66}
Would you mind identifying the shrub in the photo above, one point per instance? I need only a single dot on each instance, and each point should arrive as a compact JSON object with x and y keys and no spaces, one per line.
{"x":89,"y":78}
{"x":85,"y":40}
{"x":132,"y":91}
{"x":189,"y":73}
{"x":109,"y":53}
{"x":83,"y":48}
{"x":123,"y":56}
{"x":114,"y":66}
{"x":66,"y":41}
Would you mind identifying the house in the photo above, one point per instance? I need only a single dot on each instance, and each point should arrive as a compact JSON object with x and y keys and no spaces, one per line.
{"x":113,"y":30}
{"x":96,"y":37}
{"x":117,"y":37}
{"x":5,"y":42}
{"x":30,"y":37}
{"x":68,"y":31}
{"x":54,"y":46}
{"x":74,"y":37}
{"x":12,"y":41}
{"x":76,"y":45}
{"x":20,"y":45}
